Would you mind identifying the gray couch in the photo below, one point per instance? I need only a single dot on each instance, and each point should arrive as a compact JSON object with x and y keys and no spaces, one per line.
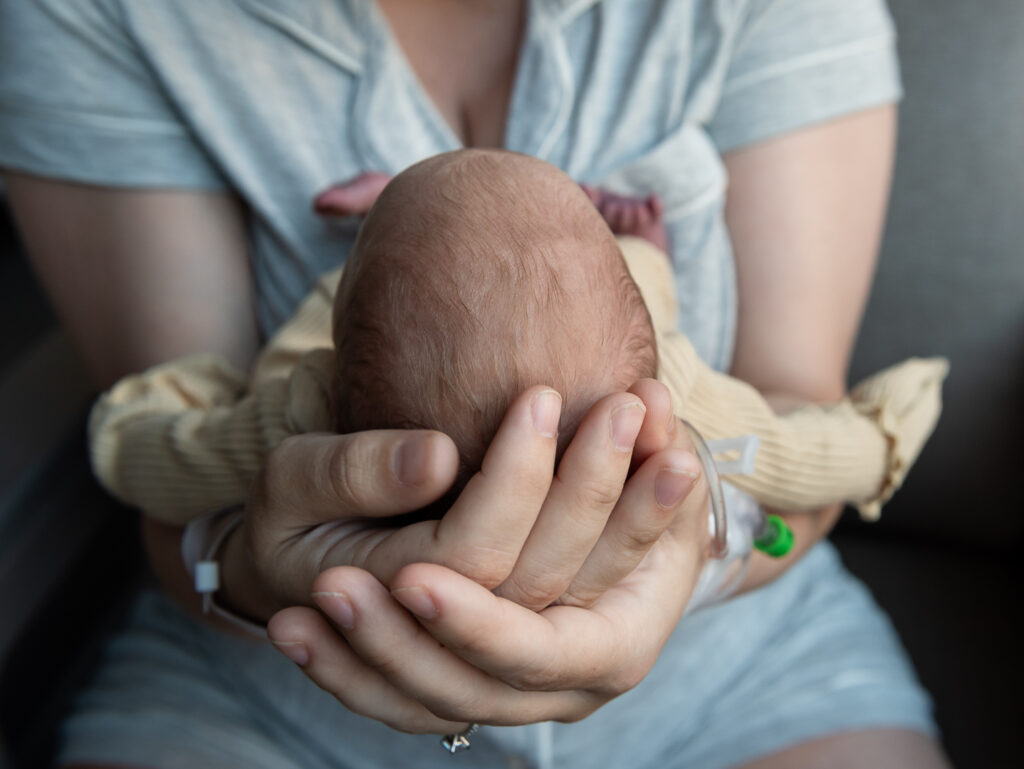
{"x":951,"y":282}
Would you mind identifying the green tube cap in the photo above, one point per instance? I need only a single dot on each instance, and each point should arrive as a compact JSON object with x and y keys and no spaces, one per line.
{"x":776,"y":538}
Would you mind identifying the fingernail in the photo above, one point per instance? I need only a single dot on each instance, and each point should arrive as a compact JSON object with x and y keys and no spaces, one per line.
{"x":671,"y":485}
{"x":338,"y":607}
{"x":296,"y":651}
{"x":546,"y":408}
{"x":626,"y":422}
{"x":410,"y":461}
{"x":417,"y":600}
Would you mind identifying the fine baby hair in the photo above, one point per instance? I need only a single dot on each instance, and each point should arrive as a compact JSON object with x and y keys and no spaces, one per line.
{"x":475,"y":275}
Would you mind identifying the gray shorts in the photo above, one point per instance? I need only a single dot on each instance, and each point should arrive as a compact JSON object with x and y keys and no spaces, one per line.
{"x":809,"y":655}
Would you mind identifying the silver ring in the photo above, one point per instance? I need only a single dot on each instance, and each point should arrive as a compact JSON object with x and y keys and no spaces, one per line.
{"x":453,"y":743}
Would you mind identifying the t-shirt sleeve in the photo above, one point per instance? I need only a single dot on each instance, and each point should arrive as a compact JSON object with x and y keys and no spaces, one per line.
{"x":78,"y":101}
{"x":799,"y":62}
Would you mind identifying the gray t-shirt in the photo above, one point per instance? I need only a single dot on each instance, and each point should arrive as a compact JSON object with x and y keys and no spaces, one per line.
{"x":276,"y":99}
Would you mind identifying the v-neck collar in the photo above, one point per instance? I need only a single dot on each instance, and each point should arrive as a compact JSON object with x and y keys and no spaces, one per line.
{"x":538,"y":103}
{"x":393,"y":61}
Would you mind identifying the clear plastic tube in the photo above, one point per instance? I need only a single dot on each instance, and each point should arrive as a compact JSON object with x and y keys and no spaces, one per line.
{"x":722,"y":575}
{"x":735,"y":520}
{"x":717,"y":522}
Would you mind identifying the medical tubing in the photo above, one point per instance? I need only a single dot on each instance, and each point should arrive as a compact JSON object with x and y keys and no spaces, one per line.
{"x":719,"y":529}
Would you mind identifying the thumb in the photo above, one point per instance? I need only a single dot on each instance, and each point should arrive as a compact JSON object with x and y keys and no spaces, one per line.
{"x":315,"y":478}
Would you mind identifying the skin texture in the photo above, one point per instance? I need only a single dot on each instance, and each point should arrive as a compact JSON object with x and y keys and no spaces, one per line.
{"x":790,"y":345}
{"x":439,"y":37}
{"x":805,"y":214}
{"x":474,"y":306}
{"x":589,"y":487}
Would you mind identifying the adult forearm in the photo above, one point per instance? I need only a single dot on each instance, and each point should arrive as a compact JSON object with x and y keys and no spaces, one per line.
{"x":805,"y":213}
{"x":808,"y":530}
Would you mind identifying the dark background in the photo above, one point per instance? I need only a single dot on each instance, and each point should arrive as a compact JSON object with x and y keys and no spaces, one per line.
{"x":943,"y":561}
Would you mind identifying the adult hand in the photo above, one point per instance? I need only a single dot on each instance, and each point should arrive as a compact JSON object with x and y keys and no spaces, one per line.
{"x":497,"y":662}
{"x":516,"y":527}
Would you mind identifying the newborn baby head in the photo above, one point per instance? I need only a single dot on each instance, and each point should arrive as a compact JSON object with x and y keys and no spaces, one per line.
{"x":475,"y":275}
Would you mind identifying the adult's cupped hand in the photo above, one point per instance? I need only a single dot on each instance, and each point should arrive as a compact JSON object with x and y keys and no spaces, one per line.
{"x":483,"y":579}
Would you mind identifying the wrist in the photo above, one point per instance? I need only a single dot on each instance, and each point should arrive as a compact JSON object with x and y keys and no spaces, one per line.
{"x":165,"y":548}
{"x":242,"y":590}
{"x":808,"y":529}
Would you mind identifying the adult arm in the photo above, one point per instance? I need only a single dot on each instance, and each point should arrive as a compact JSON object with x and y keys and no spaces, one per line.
{"x":805,"y":212}
{"x":139,"y":277}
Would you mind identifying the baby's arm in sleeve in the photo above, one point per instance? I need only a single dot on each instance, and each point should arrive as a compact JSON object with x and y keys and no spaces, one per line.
{"x":858,"y":450}
{"x":188,"y":436}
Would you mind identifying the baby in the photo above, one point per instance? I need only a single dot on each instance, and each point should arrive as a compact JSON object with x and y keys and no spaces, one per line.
{"x":475,"y":275}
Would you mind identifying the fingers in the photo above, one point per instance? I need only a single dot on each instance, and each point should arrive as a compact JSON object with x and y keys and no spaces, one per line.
{"x":310,"y":479}
{"x":659,"y":428}
{"x":483,"y":532}
{"x":389,"y":641}
{"x":587,"y":490}
{"x":581,"y":497}
{"x":314,"y":479}
{"x":305,"y":637}
{"x":604,"y":650}
{"x":512,"y":643}
{"x":651,"y":501}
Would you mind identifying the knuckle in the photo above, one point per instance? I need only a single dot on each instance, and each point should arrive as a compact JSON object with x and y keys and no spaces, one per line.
{"x":545,"y":679}
{"x":581,"y":597}
{"x":392,"y":666}
{"x":485,"y":566}
{"x":476,"y":639}
{"x":599,"y":493}
{"x":639,"y":535}
{"x":349,"y":476}
{"x":533,"y":484}
{"x":530,"y":592}
{"x":466,"y":707}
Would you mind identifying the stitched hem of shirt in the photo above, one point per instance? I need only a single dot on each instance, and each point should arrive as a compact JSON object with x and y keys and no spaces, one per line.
{"x":809,"y":60}
{"x":126,"y":124}
{"x":103,"y":150}
{"x":819,"y":89}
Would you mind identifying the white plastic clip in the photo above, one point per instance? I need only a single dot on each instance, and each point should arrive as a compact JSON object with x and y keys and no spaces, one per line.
{"x":207,"y":577}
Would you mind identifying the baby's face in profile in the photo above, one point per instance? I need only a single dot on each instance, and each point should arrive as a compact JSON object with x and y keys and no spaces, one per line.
{"x":478,"y":274}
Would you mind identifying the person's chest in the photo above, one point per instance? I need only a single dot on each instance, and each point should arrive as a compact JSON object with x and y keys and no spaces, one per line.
{"x":288,"y":96}
{"x":284,"y":94}
{"x":464,"y":55}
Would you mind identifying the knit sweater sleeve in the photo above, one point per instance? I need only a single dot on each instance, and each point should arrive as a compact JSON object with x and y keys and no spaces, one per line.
{"x":856,"y":451}
{"x":189,"y":436}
